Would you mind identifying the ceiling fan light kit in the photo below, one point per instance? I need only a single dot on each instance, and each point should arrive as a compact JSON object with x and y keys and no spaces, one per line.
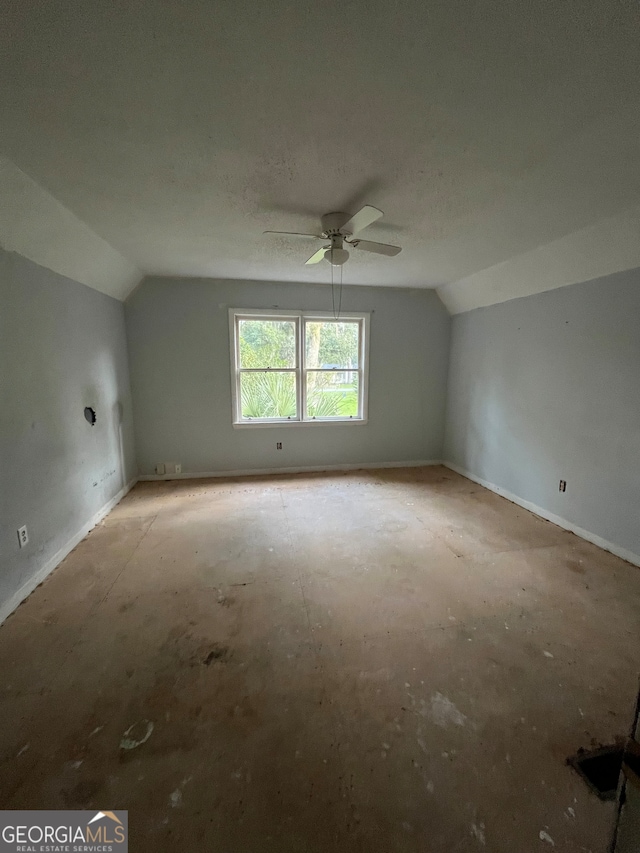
{"x":336,"y":256}
{"x":340,"y":228}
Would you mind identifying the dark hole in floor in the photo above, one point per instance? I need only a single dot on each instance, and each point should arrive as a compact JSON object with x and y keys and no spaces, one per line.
{"x":600,"y":769}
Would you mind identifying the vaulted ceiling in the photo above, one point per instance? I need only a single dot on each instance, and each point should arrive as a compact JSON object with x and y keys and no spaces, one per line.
{"x":490,"y":133}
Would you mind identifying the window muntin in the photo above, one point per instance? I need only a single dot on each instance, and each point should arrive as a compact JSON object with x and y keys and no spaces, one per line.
{"x":298,"y":367}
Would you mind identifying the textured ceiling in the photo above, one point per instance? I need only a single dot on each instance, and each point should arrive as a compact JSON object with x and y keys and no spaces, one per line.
{"x":179,"y":131}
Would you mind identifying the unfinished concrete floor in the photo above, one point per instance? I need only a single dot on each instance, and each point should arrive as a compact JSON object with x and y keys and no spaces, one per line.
{"x":392,"y":660}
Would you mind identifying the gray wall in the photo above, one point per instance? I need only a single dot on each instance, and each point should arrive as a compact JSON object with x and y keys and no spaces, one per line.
{"x":62,"y":347}
{"x":178,"y":333}
{"x":547,"y":388}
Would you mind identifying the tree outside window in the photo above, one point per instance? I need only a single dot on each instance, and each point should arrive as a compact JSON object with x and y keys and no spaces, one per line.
{"x":298,"y":367}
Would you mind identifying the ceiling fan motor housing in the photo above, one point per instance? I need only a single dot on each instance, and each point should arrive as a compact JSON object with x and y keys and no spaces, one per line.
{"x":333,"y":222}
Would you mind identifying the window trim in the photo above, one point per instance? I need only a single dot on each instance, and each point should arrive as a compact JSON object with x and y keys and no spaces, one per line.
{"x":237,"y":314}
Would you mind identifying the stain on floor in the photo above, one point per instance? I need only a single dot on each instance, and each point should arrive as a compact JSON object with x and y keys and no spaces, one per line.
{"x":379,"y":661}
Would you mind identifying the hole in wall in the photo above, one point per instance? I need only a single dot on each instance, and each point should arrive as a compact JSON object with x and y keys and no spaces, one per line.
{"x":600,"y":769}
{"x":89,"y":415}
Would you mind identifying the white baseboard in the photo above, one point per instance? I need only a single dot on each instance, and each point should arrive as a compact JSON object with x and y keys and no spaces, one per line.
{"x":7,"y":607}
{"x":549,"y":516}
{"x":307,"y":469}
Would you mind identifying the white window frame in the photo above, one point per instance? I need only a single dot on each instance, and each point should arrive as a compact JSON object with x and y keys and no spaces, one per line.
{"x":300,"y":370}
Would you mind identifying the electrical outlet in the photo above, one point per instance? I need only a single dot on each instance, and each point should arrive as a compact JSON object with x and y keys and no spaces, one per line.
{"x":278,"y":445}
{"x":23,"y":536}
{"x":563,"y":485}
{"x":160,"y":469}
{"x":178,"y":468}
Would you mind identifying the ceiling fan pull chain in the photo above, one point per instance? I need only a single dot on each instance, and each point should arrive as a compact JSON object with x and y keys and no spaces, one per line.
{"x":333,"y":295}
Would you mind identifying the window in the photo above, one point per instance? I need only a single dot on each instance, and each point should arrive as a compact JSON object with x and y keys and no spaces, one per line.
{"x":294,"y":367}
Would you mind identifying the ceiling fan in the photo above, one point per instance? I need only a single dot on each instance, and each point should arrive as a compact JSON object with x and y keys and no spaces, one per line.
{"x":340,"y":228}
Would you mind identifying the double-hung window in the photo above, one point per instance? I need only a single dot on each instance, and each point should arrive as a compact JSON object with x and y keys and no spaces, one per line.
{"x":298,"y":367}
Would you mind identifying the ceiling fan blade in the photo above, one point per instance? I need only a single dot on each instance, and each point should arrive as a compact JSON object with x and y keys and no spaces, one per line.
{"x":294,"y":234}
{"x":360,"y":220}
{"x":378,"y":248}
{"x":318,"y":256}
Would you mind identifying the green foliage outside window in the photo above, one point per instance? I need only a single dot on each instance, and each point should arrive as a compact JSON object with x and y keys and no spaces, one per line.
{"x":270,"y":345}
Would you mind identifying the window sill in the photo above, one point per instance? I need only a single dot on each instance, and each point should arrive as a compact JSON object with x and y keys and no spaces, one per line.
{"x":287,"y":424}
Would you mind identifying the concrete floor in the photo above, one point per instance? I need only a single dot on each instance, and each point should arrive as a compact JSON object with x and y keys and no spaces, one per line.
{"x":376,"y":661}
